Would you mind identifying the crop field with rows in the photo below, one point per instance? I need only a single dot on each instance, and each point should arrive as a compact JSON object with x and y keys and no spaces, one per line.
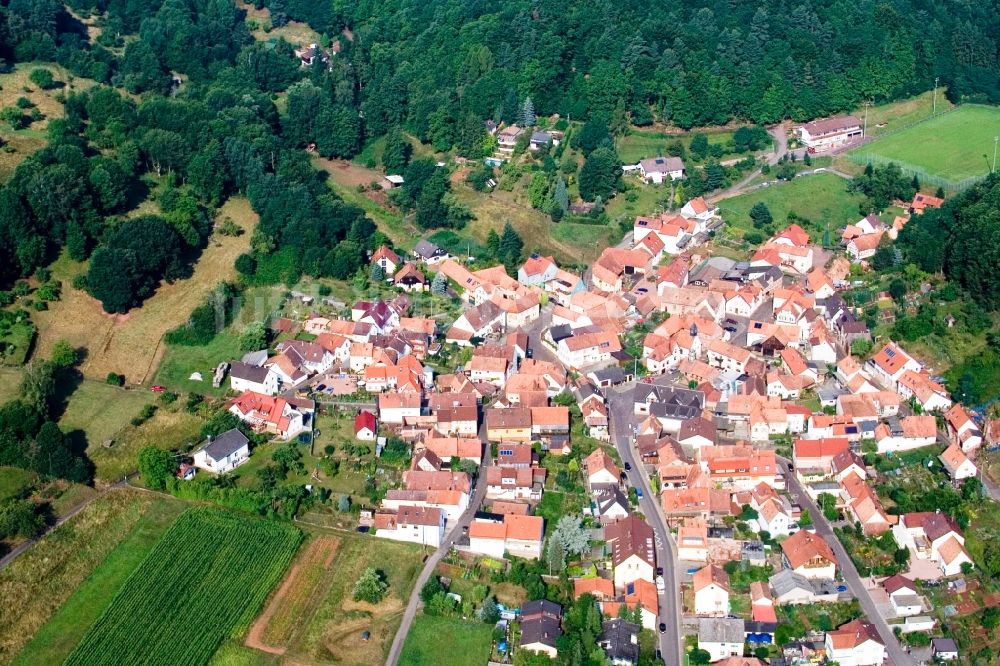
{"x":204,"y":581}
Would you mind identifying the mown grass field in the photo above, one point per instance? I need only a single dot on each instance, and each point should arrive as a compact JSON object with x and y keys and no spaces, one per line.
{"x":131,"y":344}
{"x":35,"y":585}
{"x":468,"y":642}
{"x":953,"y":146}
{"x":102,"y":410}
{"x":56,"y":639}
{"x":168,"y":429}
{"x":204,"y":580}
{"x":10,"y":379}
{"x":823,"y":199}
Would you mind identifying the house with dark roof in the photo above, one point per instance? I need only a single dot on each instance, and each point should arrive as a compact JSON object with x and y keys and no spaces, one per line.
{"x":540,"y":629}
{"x":620,"y":641}
{"x":658,"y":169}
{"x":429,"y":253}
{"x":223,"y":453}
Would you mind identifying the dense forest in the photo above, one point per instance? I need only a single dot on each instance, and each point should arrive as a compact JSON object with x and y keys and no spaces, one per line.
{"x":436,"y":64}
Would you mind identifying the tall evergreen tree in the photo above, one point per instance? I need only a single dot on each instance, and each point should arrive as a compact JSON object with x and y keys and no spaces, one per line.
{"x":528,"y":113}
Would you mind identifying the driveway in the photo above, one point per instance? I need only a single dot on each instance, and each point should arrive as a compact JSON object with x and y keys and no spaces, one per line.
{"x":620,"y":411}
{"x":897,"y":655}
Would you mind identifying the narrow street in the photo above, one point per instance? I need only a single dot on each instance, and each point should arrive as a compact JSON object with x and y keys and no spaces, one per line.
{"x":620,"y":410}
{"x":431,"y":563}
{"x":897,"y":655}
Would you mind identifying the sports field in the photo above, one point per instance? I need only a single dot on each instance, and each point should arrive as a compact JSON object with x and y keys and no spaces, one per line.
{"x":953,"y":146}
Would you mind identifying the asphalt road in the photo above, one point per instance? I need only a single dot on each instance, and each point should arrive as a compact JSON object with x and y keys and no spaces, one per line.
{"x":19,"y":550}
{"x":897,"y":655}
{"x":620,"y":411}
{"x":431,"y":563}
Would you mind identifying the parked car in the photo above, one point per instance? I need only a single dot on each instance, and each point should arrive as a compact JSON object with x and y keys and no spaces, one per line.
{"x":660,"y":586}
{"x":628,"y":467}
{"x":663,"y":628}
{"x":158,"y":389}
{"x":638,"y":493}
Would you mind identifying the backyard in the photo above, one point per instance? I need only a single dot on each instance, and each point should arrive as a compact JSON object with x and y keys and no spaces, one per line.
{"x":468,"y":642}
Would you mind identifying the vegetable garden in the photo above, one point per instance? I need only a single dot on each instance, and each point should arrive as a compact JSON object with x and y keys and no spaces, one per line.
{"x":204,"y":581}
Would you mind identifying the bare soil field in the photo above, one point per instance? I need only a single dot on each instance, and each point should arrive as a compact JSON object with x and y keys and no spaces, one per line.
{"x":131,"y":344}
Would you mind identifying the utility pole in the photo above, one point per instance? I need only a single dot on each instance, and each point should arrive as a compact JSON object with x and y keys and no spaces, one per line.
{"x":864,"y":131}
{"x":996,"y":140}
{"x":934,"y":111}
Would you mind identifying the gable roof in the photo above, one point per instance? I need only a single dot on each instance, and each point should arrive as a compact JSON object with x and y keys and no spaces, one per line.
{"x":225,"y":444}
{"x":804,"y":546}
{"x":630,"y":536}
{"x":712,"y":574}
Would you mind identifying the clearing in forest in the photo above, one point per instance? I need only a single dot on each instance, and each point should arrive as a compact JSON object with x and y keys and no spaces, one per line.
{"x":131,"y":344}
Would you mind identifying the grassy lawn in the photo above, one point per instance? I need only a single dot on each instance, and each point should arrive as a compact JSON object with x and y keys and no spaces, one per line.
{"x":168,"y":429}
{"x":950,"y":146}
{"x":17,"y":343}
{"x":56,"y":639}
{"x":639,"y":144}
{"x":234,"y":653}
{"x":333,"y":632}
{"x":822,"y":199}
{"x":14,"y":480}
{"x":132,"y":344}
{"x":102,"y":410}
{"x":36,"y":584}
{"x":576,"y":244}
{"x":10,"y":380}
{"x":818,"y":617}
{"x":468,"y":642}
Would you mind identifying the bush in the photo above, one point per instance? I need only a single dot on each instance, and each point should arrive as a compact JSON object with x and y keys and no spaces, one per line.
{"x":115,"y":379}
{"x":42,"y":78}
{"x":370,"y":587}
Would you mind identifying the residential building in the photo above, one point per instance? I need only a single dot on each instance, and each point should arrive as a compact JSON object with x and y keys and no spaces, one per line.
{"x":423,"y":525}
{"x":517,"y":535}
{"x":721,"y":637}
{"x":223,"y":453}
{"x":620,"y":641}
{"x":633,"y":552}
{"x":830,"y":133}
{"x":656,"y":170}
{"x":809,"y":555}
{"x":284,"y":417}
{"x":856,"y":643}
{"x":710,"y":586}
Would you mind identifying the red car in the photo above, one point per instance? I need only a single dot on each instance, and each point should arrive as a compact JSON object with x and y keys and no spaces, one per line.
{"x":157,"y":389}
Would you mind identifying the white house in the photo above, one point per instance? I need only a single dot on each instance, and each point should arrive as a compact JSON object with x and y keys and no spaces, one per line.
{"x":521,"y":536}
{"x":223,"y":453}
{"x":721,"y":637}
{"x":957,"y":464}
{"x":633,"y":551}
{"x":903,"y":595}
{"x":415,"y":524}
{"x":855,"y":644}
{"x":247,"y":377}
{"x":711,"y":591}
{"x":830,"y":133}
{"x":657,"y":169}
